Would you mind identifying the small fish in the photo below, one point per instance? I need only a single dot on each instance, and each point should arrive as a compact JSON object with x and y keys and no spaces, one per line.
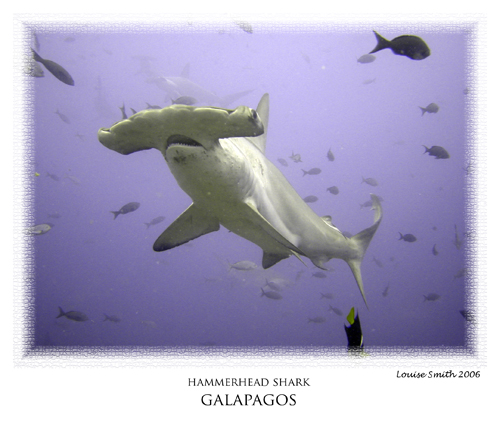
{"x":80,"y":136}
{"x":54,"y":215}
{"x":385,"y":293}
{"x":124,"y":114}
{"x":410,"y":238}
{"x":330,"y":155}
{"x":129,"y":207}
{"x":410,"y":46}
{"x":336,"y":310}
{"x":295,"y":157}
{"x":366,"y":58}
{"x":63,"y":117}
{"x":152,"y":107}
{"x":312,"y":171}
{"x":39,"y":229}
{"x":150,"y":324}
{"x":461,"y":273}
{"x":111,"y":318}
{"x":468,"y":315}
{"x":283,"y":162}
{"x":77,"y":316}
{"x":272,"y":285}
{"x":310,"y":199}
{"x":273,"y":295}
{"x":316,"y":320}
{"x":243,"y":265}
{"x":155,"y":221}
{"x":184,"y":100}
{"x":327,"y":295}
{"x":320,"y":275}
{"x":457,"y":242}
{"x":53,"y":176}
{"x":245,"y":26}
{"x":370,"y":181}
{"x":437,"y":151}
{"x":378,"y":262}
{"x":335,"y":190}
{"x":434,"y":250}
{"x":369,"y":81}
{"x":432,"y":108}
{"x":431,"y":297}
{"x":72,"y":178}
{"x":57,"y":70}
{"x":69,"y":39}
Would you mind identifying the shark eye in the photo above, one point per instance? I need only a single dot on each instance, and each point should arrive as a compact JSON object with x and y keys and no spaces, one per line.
{"x":254,"y":114}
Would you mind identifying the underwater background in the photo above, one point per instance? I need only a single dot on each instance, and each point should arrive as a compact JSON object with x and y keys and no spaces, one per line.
{"x":321,"y":99}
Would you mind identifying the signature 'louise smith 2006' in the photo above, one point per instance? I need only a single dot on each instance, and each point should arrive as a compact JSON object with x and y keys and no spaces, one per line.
{"x":218,"y":158}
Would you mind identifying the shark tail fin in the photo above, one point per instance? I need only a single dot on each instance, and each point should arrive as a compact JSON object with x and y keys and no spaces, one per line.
{"x":362,"y":241}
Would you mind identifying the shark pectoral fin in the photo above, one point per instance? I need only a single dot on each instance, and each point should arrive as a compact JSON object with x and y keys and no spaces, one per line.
{"x":191,"y":224}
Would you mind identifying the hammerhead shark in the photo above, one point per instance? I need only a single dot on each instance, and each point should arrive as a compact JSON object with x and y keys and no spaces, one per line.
{"x":217,"y":157}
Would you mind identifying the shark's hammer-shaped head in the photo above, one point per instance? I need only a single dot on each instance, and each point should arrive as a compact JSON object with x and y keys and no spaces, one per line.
{"x":180,"y":124}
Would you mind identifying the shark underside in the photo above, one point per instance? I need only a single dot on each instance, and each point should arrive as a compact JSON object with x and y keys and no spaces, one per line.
{"x":218,"y":158}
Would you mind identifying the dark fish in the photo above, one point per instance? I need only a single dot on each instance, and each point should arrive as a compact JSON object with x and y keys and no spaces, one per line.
{"x":437,"y":151}
{"x":63,"y":117}
{"x":129,"y":207}
{"x":457,"y":241}
{"x":155,"y":221}
{"x":273,"y":295}
{"x":371,"y":181}
{"x":334,"y":190}
{"x":184,"y":100}
{"x":295,"y":157}
{"x":431,"y":297}
{"x":461,"y":273}
{"x":354,"y":333}
{"x":316,"y":320}
{"x":312,"y":171}
{"x":378,"y":262}
{"x":124,"y":114}
{"x":431,"y":109}
{"x":69,"y":39}
{"x":386,"y":291}
{"x":369,"y":81}
{"x":434,"y":251}
{"x":336,"y":310}
{"x":111,"y":318}
{"x":283,"y":162}
{"x":80,"y":136}
{"x":77,"y":316}
{"x":57,"y":70}
{"x":320,"y":275}
{"x":245,"y":26}
{"x":468,"y":315}
{"x":366,"y":58}
{"x":327,"y":295}
{"x":330,"y":155}
{"x":53,"y":176}
{"x":54,"y":215}
{"x":410,"y":46}
{"x":369,"y":203}
{"x":310,"y":199}
{"x":39,"y":229}
{"x":152,"y":107}
{"x":410,"y":238}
